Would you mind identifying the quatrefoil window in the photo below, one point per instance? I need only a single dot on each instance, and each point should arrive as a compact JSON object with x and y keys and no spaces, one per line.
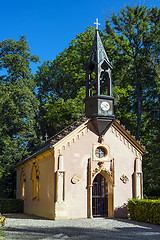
{"x":101,"y":152}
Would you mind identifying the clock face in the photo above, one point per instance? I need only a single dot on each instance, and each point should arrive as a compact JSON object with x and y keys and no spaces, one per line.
{"x":105,"y":106}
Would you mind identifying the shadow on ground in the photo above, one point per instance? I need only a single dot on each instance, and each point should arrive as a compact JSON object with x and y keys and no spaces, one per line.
{"x":23,"y":216}
{"x":117,"y":229}
{"x":81,"y":233}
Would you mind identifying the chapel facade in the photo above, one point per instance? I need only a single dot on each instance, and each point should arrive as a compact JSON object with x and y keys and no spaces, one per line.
{"x":92,"y":167}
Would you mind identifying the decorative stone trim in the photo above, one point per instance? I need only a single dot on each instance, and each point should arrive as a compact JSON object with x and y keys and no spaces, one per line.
{"x":100,"y":169}
{"x":73,"y":140}
{"x":35,"y":181}
{"x":124,"y":178}
{"x":75,"y":179}
{"x":124,"y":140}
{"x":105,"y":147}
{"x":109,"y":177}
{"x":64,"y":147}
{"x":35,"y":164}
{"x":119,"y":130}
{"x":101,"y":139}
{"x":23,"y":184}
{"x":23,"y":174}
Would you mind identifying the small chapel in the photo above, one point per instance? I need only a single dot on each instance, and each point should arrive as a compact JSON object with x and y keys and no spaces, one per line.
{"x":92,"y":167}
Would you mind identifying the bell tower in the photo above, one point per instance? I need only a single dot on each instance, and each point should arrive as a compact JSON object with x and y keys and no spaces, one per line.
{"x":99,"y":102}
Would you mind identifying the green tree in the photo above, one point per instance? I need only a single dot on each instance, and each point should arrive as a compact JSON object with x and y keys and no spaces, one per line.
{"x":18,"y":108}
{"x":135,"y":35}
{"x":61,"y":113}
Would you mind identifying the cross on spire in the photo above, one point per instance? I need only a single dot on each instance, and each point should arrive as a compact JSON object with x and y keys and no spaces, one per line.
{"x":46,"y":136}
{"x":97,"y":23}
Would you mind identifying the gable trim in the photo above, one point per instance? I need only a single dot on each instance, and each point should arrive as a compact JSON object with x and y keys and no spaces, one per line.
{"x":131,"y":139}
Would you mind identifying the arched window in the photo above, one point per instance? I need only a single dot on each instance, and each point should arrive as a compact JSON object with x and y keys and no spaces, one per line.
{"x":23,"y":184}
{"x":35,"y":181}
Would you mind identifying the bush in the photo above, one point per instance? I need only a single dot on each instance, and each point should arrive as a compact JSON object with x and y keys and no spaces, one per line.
{"x":2,"y":220}
{"x":11,"y":205}
{"x":144,"y":210}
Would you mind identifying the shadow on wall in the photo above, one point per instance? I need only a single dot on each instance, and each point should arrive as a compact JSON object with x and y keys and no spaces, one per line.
{"x":121,"y":212}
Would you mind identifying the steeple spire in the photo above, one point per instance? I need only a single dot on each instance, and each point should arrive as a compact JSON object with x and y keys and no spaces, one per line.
{"x":99,"y":64}
{"x":98,"y":53}
{"x":99,"y":100}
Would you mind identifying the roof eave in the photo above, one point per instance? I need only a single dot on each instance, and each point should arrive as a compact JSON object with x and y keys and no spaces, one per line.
{"x":34,"y":155}
{"x":129,"y":136}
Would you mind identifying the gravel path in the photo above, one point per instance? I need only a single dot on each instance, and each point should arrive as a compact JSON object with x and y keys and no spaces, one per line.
{"x":22,"y":226}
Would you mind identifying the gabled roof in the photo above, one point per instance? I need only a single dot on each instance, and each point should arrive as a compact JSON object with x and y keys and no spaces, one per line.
{"x":66,"y":131}
{"x":56,"y":138}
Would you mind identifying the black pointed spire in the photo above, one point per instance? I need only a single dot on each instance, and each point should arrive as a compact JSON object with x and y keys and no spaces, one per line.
{"x":99,"y":100}
{"x":98,"y":53}
{"x":98,"y":74}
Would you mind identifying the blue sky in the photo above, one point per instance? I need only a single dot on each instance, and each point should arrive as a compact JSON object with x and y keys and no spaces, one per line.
{"x":50,"y":25}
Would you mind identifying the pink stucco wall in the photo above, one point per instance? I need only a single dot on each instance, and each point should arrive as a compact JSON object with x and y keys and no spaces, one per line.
{"x":124,"y":159}
{"x":76,"y":155}
{"x":76,"y":149}
{"x":75,"y":162}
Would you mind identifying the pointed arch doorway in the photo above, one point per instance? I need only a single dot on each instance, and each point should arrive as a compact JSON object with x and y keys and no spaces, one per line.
{"x":100,"y":197}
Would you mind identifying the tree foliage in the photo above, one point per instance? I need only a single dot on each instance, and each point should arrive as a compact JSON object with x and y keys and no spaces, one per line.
{"x":61,"y":113}
{"x":18,"y":108}
{"x":135,"y":35}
